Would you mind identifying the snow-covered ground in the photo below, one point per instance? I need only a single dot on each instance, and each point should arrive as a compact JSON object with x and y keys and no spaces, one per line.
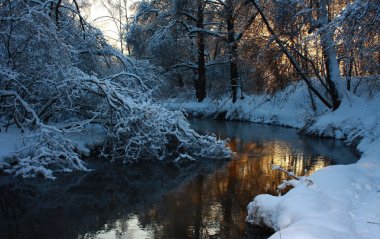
{"x":13,"y":142}
{"x":343,"y":201}
{"x":288,"y":108}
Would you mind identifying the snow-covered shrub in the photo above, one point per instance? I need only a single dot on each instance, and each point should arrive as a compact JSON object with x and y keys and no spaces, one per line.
{"x":51,"y":152}
{"x":155,"y":133}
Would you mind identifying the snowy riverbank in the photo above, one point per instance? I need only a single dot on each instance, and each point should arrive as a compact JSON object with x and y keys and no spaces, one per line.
{"x":343,"y":201}
{"x":156,"y":134}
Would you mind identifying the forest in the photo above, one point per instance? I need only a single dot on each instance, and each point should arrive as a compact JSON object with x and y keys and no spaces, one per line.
{"x":70,"y":89}
{"x":249,"y":47}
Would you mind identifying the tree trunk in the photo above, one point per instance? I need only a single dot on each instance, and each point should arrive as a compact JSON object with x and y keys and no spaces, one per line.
{"x":333,"y":78}
{"x":234,"y":75}
{"x":348,"y":69}
{"x":200,"y":86}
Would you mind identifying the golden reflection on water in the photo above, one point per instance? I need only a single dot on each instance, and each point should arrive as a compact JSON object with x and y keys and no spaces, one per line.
{"x":214,"y":205}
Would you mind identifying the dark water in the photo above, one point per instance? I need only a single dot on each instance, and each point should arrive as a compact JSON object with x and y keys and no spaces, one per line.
{"x":160,"y":200}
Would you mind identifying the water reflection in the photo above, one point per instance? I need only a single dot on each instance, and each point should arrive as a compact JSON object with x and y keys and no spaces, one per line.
{"x":278,"y":145}
{"x":214,"y":205}
{"x":121,"y":228}
{"x":201,"y":200}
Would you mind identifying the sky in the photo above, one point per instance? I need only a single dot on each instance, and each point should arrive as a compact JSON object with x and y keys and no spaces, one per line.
{"x":97,"y":15}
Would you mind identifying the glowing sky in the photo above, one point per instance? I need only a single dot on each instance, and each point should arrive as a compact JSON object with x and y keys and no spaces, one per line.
{"x":99,"y":17}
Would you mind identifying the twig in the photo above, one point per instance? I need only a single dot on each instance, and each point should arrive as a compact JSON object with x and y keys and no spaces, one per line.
{"x":377,"y":223}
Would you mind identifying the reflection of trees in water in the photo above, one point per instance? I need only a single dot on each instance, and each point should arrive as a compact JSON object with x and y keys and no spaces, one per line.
{"x":79,"y":204}
{"x":215,"y":204}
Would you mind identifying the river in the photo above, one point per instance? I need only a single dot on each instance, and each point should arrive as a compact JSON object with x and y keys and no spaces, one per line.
{"x":161,"y":200}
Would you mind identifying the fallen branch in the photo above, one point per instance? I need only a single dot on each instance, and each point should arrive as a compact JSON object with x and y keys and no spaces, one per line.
{"x":291,"y":183}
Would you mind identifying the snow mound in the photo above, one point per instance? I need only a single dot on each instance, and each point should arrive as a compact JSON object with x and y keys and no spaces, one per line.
{"x":344,"y":200}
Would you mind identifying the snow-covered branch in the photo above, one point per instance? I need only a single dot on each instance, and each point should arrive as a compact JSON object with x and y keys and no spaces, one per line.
{"x":54,"y":84}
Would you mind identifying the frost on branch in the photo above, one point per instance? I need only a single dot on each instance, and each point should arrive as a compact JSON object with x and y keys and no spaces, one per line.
{"x":155,"y":133}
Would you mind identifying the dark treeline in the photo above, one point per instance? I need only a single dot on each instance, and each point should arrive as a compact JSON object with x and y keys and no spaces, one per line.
{"x":214,"y":47}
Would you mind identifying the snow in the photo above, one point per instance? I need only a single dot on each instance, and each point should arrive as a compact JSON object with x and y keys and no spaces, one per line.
{"x":9,"y":141}
{"x":286,"y":108}
{"x":342,"y":201}
{"x":13,"y":141}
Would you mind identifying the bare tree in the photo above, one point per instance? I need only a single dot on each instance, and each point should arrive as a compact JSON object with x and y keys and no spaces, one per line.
{"x":118,"y":16}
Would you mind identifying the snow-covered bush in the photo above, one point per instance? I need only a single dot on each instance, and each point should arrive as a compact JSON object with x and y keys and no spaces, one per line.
{"x":50,"y":152}
{"x":58,"y":76}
